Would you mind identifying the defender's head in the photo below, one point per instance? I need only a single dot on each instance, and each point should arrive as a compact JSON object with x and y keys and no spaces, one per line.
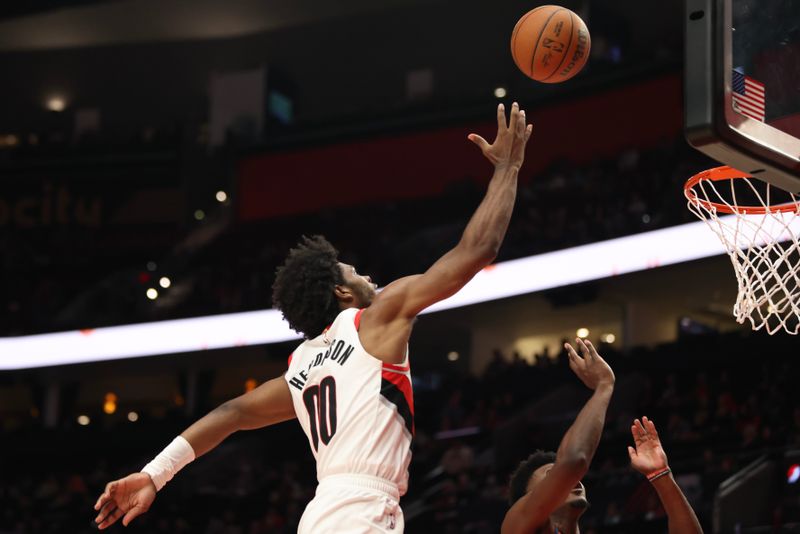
{"x":533,"y":471}
{"x":312,"y":286}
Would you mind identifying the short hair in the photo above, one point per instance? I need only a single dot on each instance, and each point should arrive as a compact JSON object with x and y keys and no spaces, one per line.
{"x":304,"y":286}
{"x":518,"y":485}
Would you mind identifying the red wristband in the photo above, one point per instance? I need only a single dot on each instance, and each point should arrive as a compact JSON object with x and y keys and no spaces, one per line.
{"x":658,"y":474}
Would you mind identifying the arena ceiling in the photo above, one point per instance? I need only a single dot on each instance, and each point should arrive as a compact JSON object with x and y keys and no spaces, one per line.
{"x":47,"y":24}
{"x":139,"y":21}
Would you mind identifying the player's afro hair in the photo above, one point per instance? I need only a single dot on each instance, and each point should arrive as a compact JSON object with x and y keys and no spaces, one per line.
{"x":304,"y":286}
{"x":518,"y":485}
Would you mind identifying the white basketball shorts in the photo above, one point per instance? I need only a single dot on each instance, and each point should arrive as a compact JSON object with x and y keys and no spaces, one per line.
{"x":353,"y":504}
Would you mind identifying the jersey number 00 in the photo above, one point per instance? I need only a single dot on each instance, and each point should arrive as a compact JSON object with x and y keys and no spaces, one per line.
{"x":320,"y":401}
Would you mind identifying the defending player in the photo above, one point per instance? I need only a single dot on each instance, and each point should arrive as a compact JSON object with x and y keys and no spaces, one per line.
{"x":546,"y":492}
{"x":348,"y":383}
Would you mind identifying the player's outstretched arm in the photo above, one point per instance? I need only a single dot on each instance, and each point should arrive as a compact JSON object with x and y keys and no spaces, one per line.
{"x":133,"y":495}
{"x":268,"y":404}
{"x":483,"y":235}
{"x":577,"y":447}
{"x":650,"y":460}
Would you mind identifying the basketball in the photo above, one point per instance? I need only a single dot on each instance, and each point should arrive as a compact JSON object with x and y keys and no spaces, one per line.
{"x":550,"y":44}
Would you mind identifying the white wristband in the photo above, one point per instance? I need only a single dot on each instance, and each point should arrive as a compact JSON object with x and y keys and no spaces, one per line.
{"x":172,"y":459}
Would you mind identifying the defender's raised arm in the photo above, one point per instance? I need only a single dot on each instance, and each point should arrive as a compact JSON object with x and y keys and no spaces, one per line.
{"x":548,"y":490}
{"x":650,"y":460}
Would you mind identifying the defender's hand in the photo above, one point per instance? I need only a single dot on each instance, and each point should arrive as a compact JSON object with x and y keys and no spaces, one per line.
{"x":508,"y":149}
{"x":125,"y":498}
{"x":591,"y":368}
{"x":648,"y":456}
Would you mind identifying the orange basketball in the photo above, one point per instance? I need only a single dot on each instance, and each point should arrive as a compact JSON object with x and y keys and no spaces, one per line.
{"x":550,"y":44}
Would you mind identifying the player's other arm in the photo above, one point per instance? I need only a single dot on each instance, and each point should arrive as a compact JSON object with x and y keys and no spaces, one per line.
{"x":268,"y":404}
{"x":650,"y":459}
{"x":131,"y":496}
{"x":481,"y":240}
{"x":576,"y":450}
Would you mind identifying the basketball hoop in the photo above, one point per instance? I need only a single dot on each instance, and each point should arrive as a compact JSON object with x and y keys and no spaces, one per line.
{"x":761,"y":238}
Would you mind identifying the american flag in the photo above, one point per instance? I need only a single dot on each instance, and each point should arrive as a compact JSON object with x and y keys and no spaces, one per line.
{"x":749,"y":96}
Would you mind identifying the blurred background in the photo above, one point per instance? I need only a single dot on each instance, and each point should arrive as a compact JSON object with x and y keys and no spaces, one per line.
{"x":159,"y":157}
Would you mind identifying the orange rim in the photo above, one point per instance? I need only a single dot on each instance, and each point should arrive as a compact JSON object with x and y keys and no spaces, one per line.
{"x":718,"y":174}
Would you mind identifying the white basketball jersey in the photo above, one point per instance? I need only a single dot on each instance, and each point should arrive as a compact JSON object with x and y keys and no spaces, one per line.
{"x":357,"y":411}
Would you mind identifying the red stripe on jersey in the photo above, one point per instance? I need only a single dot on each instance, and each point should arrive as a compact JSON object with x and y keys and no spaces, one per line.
{"x":396,"y":367}
{"x":403,"y":384}
{"x":358,"y":318}
{"x":290,"y":360}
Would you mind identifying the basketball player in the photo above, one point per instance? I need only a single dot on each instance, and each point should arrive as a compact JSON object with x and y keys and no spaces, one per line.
{"x":546,"y":493}
{"x":348,"y":383}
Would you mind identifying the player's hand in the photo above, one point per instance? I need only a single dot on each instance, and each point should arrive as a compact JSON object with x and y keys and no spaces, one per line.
{"x":125,"y":498}
{"x":589,"y":366}
{"x":508,"y":149}
{"x":648,"y":456}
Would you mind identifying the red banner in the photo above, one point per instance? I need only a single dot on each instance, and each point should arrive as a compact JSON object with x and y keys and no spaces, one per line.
{"x":423,"y":164}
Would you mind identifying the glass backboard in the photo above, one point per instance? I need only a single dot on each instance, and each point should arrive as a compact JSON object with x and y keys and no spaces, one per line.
{"x":742,"y":85}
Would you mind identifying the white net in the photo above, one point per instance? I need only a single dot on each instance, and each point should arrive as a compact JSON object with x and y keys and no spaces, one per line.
{"x":762,"y":243}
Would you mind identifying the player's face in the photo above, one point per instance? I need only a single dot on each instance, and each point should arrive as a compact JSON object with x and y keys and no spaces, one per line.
{"x":362,"y":287}
{"x":575,"y":499}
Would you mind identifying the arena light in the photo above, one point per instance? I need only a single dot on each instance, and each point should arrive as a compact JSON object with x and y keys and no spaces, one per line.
{"x":133,"y":417}
{"x":144,"y":339}
{"x":110,"y":403}
{"x":164,"y":282}
{"x":199,"y":215}
{"x":9,"y":141}
{"x":608,"y":338}
{"x":634,"y":253}
{"x":793,"y":475}
{"x":452,"y":356}
{"x":582,"y":333}
{"x":500,"y":92}
{"x":84,"y":420}
{"x":56,"y":103}
{"x":152,"y":293}
{"x":221,"y":196}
